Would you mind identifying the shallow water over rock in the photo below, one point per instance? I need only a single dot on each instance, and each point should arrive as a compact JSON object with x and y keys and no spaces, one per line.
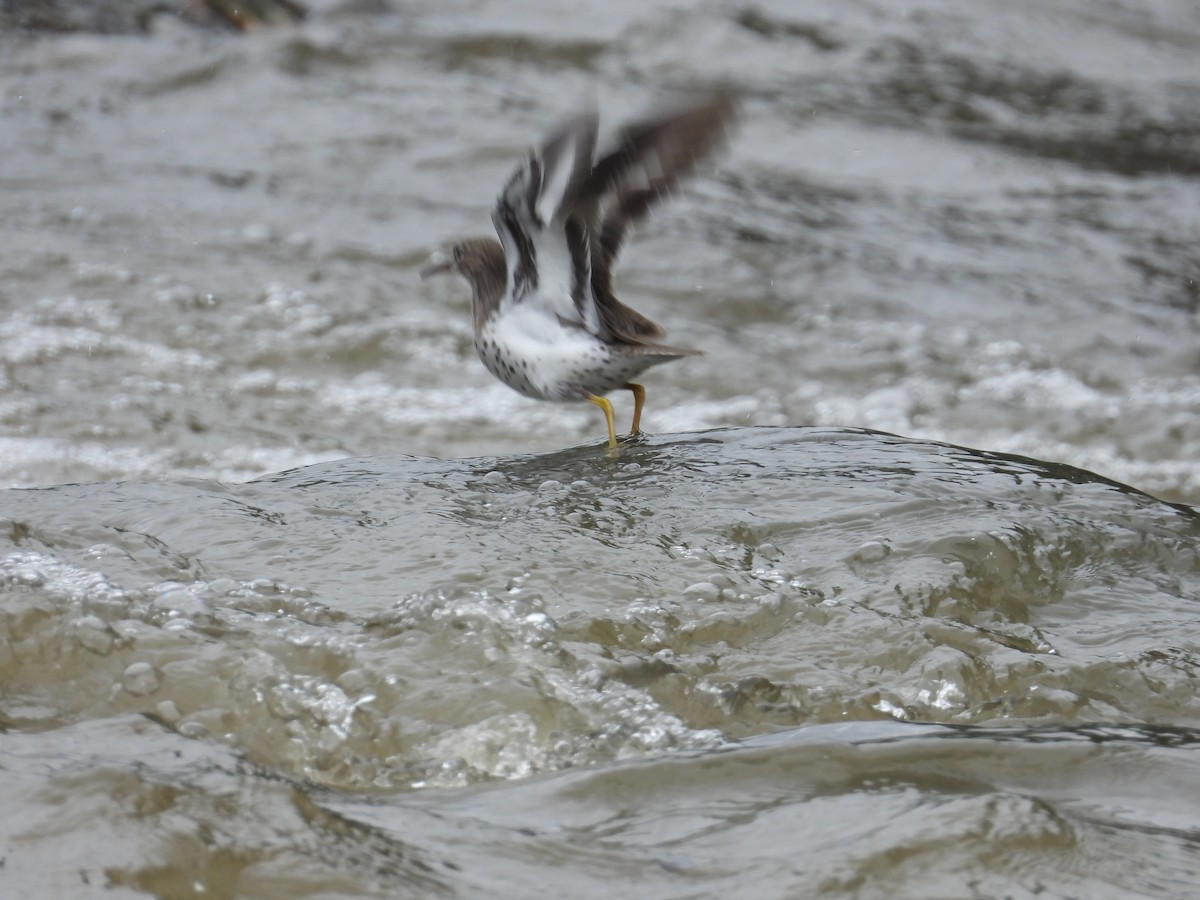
{"x":400,"y":625}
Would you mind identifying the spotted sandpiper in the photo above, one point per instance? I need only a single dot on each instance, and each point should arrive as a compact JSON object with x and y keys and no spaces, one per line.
{"x":546,"y":321}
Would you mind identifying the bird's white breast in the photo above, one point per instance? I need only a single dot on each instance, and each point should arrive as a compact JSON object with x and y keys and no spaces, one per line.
{"x":531,"y":351}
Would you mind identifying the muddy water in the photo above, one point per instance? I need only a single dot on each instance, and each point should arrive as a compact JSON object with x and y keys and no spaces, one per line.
{"x":561,"y":669}
{"x":755,"y":661}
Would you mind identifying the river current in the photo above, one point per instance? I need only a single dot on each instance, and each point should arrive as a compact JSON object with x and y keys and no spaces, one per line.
{"x":295,"y":600}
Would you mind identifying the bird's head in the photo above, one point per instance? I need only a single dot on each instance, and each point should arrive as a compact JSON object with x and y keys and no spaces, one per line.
{"x":479,"y":260}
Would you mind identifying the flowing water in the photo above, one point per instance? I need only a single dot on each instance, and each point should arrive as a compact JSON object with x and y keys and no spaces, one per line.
{"x":298,"y":602}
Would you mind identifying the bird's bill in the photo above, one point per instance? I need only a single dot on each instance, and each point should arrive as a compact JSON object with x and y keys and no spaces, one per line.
{"x":437,"y":264}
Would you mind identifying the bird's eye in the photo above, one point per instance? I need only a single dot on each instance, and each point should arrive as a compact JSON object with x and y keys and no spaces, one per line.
{"x":458,"y":253}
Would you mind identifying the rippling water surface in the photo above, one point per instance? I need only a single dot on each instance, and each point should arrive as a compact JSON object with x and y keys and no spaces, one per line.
{"x":741,"y":658}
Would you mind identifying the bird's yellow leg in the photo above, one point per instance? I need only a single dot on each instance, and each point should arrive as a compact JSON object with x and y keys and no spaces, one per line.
{"x":639,"y":399}
{"x":603,"y":403}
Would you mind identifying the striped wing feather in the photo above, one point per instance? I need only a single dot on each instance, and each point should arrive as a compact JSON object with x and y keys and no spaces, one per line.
{"x":562,"y":212}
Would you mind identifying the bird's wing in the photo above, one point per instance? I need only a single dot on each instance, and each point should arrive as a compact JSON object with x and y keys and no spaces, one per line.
{"x":562,"y":220}
{"x":649,"y":160}
{"x":546,"y":251}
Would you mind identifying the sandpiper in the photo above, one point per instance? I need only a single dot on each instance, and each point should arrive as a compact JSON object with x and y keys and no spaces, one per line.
{"x":546,"y":321}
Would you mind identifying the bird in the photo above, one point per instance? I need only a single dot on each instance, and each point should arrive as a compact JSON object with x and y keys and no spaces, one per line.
{"x":546,"y":320}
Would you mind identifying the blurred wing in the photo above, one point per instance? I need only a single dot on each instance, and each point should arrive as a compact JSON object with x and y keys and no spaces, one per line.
{"x":546,"y":251}
{"x":562,"y":220}
{"x":650,"y":159}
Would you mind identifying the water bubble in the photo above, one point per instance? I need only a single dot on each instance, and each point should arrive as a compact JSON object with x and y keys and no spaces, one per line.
{"x":703,"y":590}
{"x":168,"y":711}
{"x":871,"y":551}
{"x":220,"y":587}
{"x":182,"y":601}
{"x":193,"y":730}
{"x":140,"y":679}
{"x":93,"y":634}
